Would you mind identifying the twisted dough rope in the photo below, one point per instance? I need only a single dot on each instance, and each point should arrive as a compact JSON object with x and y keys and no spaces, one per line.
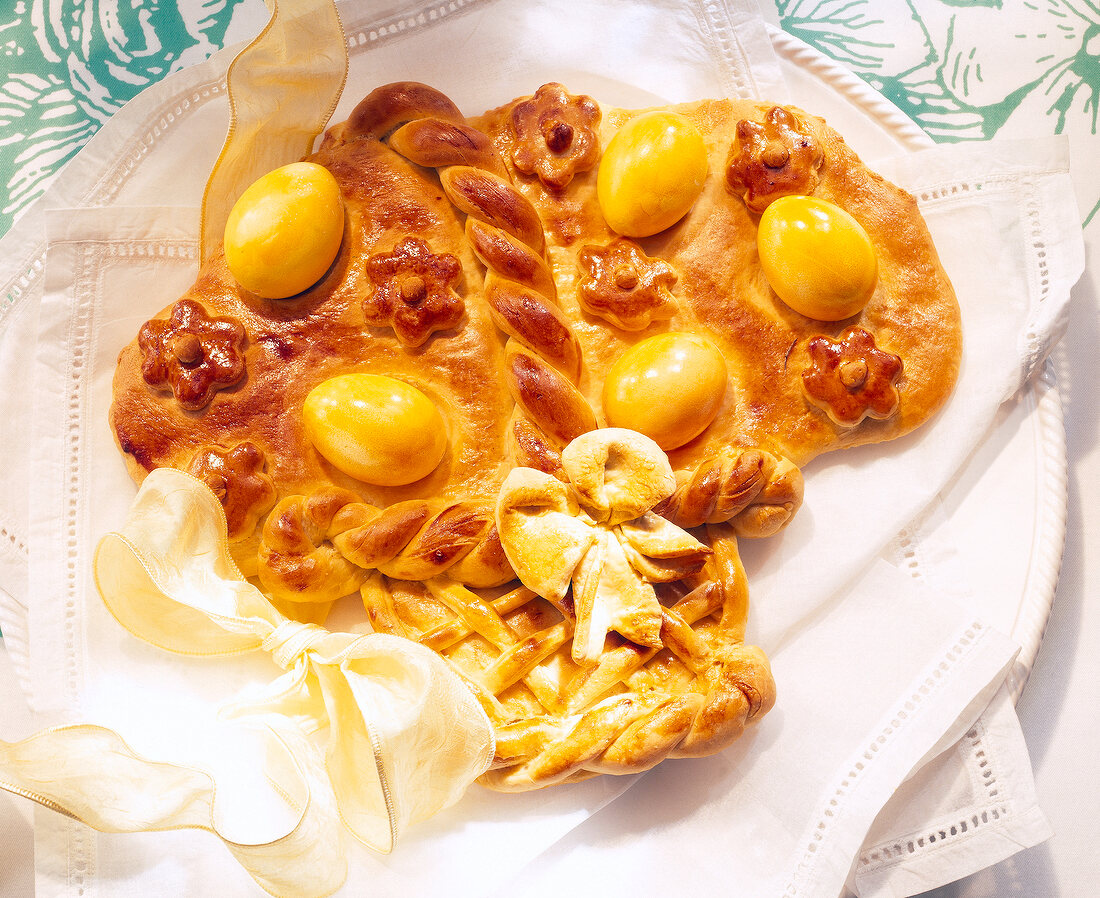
{"x":320,"y":547}
{"x":542,"y":354}
{"x":755,"y":491}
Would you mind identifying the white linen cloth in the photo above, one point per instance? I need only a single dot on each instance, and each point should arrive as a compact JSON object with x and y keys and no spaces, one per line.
{"x":815,"y":609}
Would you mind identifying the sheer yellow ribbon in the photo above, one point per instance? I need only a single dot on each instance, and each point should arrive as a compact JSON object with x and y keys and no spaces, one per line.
{"x":283,"y":88}
{"x":405,"y":736}
{"x":91,"y":774}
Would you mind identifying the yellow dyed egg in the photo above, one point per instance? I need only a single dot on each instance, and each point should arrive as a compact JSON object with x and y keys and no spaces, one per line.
{"x":817,"y":257}
{"x":668,"y":387}
{"x":651,"y":173}
{"x":285,"y":230}
{"x":375,"y":428}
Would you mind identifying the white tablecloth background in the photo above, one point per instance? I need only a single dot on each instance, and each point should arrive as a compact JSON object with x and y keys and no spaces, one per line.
{"x":1057,"y":708}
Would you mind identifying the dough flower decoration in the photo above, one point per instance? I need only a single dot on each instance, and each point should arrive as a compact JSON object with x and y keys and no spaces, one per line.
{"x":556,"y":135}
{"x":625,"y":286}
{"x":191,"y":353}
{"x":413,"y":292}
{"x":237,"y":477}
{"x":852,"y":378}
{"x":595,"y":529}
{"x":774,"y":158}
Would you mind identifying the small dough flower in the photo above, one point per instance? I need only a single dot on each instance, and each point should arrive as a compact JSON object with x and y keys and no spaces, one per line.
{"x":851,"y":378}
{"x":191,"y":353}
{"x":238,"y":479}
{"x":625,"y":286}
{"x":596,"y":529}
{"x":413,"y":292}
{"x":774,"y":158}
{"x":556,"y":135}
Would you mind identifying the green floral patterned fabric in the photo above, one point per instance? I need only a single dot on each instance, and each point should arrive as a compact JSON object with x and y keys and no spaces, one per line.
{"x":963,"y":69}
{"x":967,"y":69}
{"x":67,"y":65}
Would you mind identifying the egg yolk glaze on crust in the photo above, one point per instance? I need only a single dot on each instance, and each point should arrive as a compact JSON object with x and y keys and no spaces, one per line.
{"x":531,"y":441}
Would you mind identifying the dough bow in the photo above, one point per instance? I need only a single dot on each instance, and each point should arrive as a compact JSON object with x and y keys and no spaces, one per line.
{"x":597,"y":531}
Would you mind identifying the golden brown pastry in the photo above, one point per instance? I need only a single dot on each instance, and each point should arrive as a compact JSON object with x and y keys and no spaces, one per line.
{"x":598,"y":414}
{"x":783,"y":376}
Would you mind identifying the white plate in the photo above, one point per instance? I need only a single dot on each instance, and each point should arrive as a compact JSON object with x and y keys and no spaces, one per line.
{"x":1024,"y":454}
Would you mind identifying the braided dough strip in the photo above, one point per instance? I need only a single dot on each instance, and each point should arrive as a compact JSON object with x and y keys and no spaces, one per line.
{"x":315,"y":548}
{"x":757,"y":492}
{"x":297,"y":561}
{"x":506,"y":232}
{"x":320,"y":547}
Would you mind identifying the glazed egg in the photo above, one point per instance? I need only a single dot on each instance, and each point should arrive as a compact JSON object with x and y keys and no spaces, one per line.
{"x":375,"y":428}
{"x":817,"y":258}
{"x":285,"y":230}
{"x":668,"y":387}
{"x":651,"y":174}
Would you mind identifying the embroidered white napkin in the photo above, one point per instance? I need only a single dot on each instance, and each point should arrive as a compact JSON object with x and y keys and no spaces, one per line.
{"x":109,"y":271}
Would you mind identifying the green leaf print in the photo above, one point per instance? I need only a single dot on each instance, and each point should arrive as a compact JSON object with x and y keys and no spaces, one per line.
{"x":866,"y":35}
{"x":986,"y":64}
{"x":993,"y":4}
{"x":67,"y":65}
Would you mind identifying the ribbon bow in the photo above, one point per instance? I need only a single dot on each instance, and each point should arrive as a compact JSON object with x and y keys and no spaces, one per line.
{"x":403,"y":736}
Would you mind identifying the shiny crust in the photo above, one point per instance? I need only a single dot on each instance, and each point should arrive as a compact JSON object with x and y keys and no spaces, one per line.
{"x":317,"y":548}
{"x":547,"y":397}
{"x":419,"y":541}
{"x":517,"y":375}
{"x":723,"y":294}
{"x":297,"y":561}
{"x":556,"y":135}
{"x":777,"y":156}
{"x":625,"y":287}
{"x":753,"y":490}
{"x":236,"y":476}
{"x":293,"y":344}
{"x":192,"y":354}
{"x":852,"y":378}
